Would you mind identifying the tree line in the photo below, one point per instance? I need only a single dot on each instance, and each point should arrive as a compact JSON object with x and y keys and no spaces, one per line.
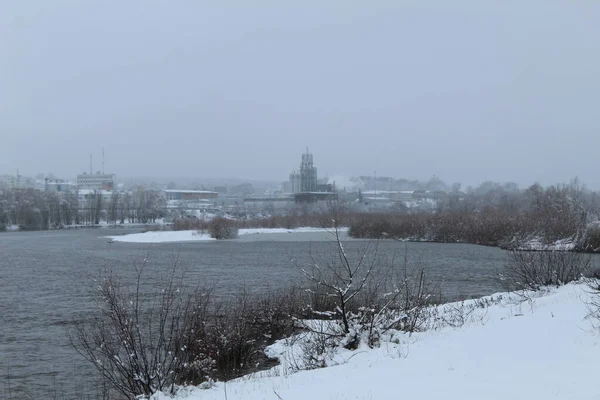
{"x":37,"y":210}
{"x":496,"y":216}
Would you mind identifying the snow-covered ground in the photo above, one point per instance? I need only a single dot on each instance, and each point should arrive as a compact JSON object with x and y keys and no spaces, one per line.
{"x":193,"y":235}
{"x":161,"y":237}
{"x":545,"y":348}
{"x":536,"y":244}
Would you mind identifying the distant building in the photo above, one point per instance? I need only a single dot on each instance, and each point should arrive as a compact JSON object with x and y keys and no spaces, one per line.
{"x":97,"y":181}
{"x":294,"y":185}
{"x":58,"y":186}
{"x":221,"y":189}
{"x":304,"y":180}
{"x":306,"y":187}
{"x":393,"y":195}
{"x":7,"y":181}
{"x":86,"y":197}
{"x":325,"y":187}
{"x":315,"y":197}
{"x":267,"y":203}
{"x":189,"y":195}
{"x":16,"y":182}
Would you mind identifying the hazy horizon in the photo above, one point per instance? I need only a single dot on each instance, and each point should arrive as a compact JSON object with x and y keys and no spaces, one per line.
{"x":467,"y":91}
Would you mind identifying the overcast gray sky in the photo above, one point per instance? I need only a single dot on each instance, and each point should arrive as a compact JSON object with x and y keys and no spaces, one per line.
{"x":466,"y":90}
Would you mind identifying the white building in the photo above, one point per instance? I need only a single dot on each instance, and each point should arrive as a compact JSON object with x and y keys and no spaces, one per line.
{"x":96,"y":181}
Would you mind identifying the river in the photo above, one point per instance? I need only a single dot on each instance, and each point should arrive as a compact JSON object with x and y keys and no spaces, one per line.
{"x":47,"y":280}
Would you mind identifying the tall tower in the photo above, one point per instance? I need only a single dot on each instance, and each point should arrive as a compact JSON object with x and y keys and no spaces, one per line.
{"x":308,"y":173}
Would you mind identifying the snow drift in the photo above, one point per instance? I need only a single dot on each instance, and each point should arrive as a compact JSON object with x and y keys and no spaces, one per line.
{"x":511,"y":348}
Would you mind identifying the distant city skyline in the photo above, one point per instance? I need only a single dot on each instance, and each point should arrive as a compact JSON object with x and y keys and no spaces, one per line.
{"x":468,"y":91}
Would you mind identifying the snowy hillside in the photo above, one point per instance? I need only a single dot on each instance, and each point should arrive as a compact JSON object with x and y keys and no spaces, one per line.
{"x":512,"y":349}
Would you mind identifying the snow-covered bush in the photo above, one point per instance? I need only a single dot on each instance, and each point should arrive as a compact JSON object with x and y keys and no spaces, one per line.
{"x":360,"y":296}
{"x":591,"y":240}
{"x":319,"y":341}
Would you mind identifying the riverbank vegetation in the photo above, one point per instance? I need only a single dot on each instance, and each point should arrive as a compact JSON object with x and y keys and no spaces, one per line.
{"x":154,"y":334}
{"x":532,"y":271}
{"x":558,"y":217}
{"x":565,"y":217}
{"x":290,"y":220}
{"x":145,"y":339}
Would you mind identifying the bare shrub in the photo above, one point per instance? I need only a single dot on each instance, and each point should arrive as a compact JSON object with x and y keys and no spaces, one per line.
{"x":593,"y":304}
{"x":401,"y":305}
{"x":137,"y":341}
{"x":458,"y":314}
{"x":142,"y":340}
{"x":533,"y":270}
{"x":416,"y":294}
{"x":321,"y":339}
{"x":275,"y":312}
{"x":222,"y":228}
{"x":237,"y":330}
{"x":591,"y":240}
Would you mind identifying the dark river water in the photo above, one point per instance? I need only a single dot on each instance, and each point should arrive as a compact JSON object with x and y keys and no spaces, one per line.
{"x":47,"y":280}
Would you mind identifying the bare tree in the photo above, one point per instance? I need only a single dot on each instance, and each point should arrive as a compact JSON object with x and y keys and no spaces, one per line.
{"x":368,"y":294}
{"x":341,"y":279}
{"x":113,"y":208}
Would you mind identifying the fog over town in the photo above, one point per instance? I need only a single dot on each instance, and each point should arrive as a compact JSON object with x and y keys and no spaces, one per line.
{"x":466,"y":91}
{"x":299,"y":200}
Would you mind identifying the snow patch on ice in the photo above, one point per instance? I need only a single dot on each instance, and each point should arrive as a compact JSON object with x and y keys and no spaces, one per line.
{"x":254,"y":231}
{"x":162,"y":237}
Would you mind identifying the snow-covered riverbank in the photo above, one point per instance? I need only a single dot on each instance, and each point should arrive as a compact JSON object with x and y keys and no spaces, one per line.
{"x":537,"y":244}
{"x":192,"y":235}
{"x":539,"y":349}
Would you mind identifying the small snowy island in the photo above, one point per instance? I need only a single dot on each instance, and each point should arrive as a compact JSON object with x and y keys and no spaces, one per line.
{"x":195,"y":235}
